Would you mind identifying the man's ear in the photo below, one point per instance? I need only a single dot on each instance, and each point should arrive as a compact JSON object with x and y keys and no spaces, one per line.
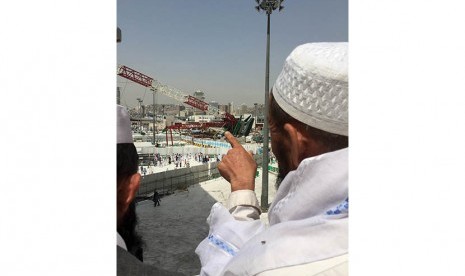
{"x":295,"y":142}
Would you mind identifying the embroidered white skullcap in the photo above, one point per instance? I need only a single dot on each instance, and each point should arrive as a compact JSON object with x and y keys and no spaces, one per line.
{"x":313,"y":86}
{"x":123,"y":126}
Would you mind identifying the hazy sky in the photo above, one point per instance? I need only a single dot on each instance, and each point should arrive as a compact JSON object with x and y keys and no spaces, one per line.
{"x":217,"y":46}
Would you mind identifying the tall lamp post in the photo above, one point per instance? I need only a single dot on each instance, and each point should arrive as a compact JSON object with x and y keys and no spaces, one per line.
{"x":256,"y":115}
{"x":140,"y":113}
{"x":268,"y":6}
{"x":154,"y":119}
{"x":118,"y":40}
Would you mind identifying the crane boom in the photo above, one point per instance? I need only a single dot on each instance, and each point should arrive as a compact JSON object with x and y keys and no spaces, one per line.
{"x":157,"y":86}
{"x":230,"y":122}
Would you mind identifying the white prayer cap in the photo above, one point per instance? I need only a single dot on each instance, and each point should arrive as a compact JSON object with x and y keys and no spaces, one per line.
{"x":313,"y":86}
{"x":123,"y":126}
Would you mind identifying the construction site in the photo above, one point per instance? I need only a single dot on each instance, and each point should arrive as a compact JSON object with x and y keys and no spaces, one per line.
{"x":209,"y":123}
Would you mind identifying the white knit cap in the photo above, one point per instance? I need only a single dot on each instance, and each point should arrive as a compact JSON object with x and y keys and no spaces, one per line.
{"x":313,"y":86}
{"x":123,"y":126}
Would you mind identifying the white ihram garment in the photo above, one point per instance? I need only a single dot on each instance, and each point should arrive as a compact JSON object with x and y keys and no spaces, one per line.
{"x":308,"y":232}
{"x":120,"y":241}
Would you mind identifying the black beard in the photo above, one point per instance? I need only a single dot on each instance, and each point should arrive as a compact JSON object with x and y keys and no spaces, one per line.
{"x":279,"y":179}
{"x":127,"y":230}
{"x":282,"y":172}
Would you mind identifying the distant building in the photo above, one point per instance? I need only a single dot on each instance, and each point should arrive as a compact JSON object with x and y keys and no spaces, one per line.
{"x":169,"y":120}
{"x":183,"y":114}
{"x":214,"y":105}
{"x":231,"y":108}
{"x":201,"y":118}
{"x":189,"y":110}
{"x":224,"y":108}
{"x":243,"y":109}
{"x":201,"y":96}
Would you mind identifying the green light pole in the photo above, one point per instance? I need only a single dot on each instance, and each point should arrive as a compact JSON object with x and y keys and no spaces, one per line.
{"x":268,"y":6}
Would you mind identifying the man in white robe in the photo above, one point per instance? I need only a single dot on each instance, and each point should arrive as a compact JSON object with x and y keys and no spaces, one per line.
{"x":308,"y":220}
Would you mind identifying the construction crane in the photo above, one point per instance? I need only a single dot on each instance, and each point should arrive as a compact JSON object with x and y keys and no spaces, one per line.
{"x":236,"y":127}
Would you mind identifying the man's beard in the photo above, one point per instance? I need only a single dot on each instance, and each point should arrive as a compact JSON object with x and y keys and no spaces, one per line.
{"x":127,"y":230}
{"x":281,"y":175}
{"x":279,"y":179}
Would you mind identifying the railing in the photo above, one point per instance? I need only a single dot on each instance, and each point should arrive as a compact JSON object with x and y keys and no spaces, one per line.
{"x":179,"y":179}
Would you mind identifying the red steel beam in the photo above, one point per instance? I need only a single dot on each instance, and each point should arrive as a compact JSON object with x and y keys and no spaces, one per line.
{"x":135,"y":76}
{"x":193,"y":101}
{"x":146,"y":81}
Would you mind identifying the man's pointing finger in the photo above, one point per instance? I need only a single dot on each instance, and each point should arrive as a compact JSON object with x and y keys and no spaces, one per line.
{"x":232,"y":140}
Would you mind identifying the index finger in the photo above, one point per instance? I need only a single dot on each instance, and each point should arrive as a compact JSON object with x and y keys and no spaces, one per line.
{"x":232,"y":140}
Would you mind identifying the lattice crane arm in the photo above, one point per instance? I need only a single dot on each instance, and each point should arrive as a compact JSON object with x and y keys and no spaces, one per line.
{"x":171,"y":92}
{"x":230,"y":122}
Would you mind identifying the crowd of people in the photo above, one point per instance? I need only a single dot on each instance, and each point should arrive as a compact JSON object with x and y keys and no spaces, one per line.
{"x":179,"y":160}
{"x":307,"y":233}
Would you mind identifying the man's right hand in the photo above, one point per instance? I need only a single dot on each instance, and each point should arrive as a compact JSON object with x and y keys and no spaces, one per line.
{"x":238,"y":166}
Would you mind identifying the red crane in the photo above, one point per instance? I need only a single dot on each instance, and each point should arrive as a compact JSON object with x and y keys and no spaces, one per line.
{"x":229,"y":121}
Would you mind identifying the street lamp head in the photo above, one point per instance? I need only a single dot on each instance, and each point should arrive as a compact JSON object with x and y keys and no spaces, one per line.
{"x":269,"y":5}
{"x":276,"y":5}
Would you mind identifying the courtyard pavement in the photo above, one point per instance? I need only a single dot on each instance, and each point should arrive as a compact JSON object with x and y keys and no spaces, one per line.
{"x":173,"y":230}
